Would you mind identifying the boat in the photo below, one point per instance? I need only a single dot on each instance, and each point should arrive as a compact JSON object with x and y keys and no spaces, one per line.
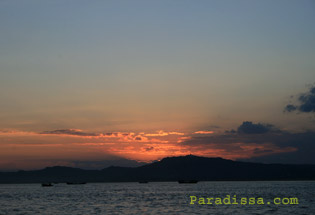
{"x":47,"y":185}
{"x":75,"y":183}
{"x":187,"y":181}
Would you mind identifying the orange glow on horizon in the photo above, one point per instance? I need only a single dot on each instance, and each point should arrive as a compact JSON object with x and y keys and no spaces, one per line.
{"x":66,"y":145}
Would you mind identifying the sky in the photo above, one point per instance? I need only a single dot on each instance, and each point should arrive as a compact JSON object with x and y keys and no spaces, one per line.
{"x":94,"y":83}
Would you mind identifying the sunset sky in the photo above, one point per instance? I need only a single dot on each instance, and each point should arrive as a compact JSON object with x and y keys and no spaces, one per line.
{"x":95,"y":83}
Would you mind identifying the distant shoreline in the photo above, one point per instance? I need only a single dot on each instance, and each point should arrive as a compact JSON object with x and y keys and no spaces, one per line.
{"x":171,"y":169}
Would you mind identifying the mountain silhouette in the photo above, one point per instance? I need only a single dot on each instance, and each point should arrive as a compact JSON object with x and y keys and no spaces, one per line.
{"x":188,"y":167}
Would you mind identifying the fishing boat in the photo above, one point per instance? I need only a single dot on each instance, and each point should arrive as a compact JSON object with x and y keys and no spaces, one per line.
{"x":187,"y":181}
{"x":75,"y":183}
{"x":47,"y":185}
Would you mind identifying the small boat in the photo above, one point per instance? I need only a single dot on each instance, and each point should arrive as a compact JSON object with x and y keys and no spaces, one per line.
{"x":47,"y":185}
{"x":143,"y":182}
{"x":187,"y":181}
{"x":75,"y":183}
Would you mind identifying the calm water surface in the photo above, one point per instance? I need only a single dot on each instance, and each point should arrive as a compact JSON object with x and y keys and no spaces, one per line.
{"x":152,"y":198}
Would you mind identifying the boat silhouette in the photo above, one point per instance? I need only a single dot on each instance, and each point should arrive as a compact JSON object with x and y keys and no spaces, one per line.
{"x":75,"y":183}
{"x":47,"y":185}
{"x":187,"y":181}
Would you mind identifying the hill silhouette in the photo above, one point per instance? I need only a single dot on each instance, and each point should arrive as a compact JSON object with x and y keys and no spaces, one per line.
{"x":188,"y":167}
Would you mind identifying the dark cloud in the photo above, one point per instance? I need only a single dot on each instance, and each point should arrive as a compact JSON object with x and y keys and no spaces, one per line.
{"x":248,"y":127}
{"x":149,"y":148}
{"x":304,"y":143}
{"x":263,"y":135}
{"x":69,"y":132}
{"x":252,"y":128}
{"x":290,"y":108}
{"x":306,"y":102}
{"x":231,"y":131}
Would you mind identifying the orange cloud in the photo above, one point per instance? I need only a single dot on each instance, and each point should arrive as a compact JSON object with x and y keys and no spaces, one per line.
{"x":159,"y":134}
{"x":204,"y":132}
{"x":163,"y":133}
{"x":176,"y":133}
{"x":182,"y":139}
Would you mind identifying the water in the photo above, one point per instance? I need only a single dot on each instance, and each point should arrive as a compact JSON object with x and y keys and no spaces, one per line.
{"x":152,"y":198}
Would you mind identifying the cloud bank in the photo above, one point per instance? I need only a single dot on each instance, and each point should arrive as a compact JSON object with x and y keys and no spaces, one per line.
{"x":259,"y":142}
